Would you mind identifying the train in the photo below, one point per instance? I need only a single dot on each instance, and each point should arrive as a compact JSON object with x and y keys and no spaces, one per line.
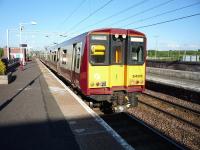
{"x":108,"y":66}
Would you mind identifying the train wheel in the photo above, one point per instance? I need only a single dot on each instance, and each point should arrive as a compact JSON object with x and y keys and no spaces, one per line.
{"x":91,"y":105}
{"x":134,"y":100}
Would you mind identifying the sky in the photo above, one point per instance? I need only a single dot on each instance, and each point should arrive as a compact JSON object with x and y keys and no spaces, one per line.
{"x":73,"y":17}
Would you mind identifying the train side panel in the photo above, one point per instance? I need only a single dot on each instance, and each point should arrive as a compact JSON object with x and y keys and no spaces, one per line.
{"x":65,"y":61}
{"x":84,"y":67}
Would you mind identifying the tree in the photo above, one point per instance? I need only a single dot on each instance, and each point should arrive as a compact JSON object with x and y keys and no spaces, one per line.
{"x":2,"y":68}
{"x":1,"y":52}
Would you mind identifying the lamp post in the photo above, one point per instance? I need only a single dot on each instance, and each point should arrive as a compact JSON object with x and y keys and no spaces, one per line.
{"x":8,"y":52}
{"x":20,"y":38}
{"x":156,"y":37}
{"x":7,"y":42}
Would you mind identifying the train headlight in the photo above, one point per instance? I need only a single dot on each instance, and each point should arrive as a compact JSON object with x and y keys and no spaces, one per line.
{"x":124,"y":36}
{"x":92,"y":84}
{"x":97,"y":84}
{"x":116,"y":36}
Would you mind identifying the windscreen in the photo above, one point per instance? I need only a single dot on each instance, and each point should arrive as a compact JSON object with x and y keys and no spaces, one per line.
{"x":136,"y":50}
{"x":99,"y":53}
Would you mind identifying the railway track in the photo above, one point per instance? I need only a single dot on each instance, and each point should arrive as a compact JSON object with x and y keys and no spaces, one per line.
{"x":138,"y":134}
{"x":177,"y":102}
{"x":179,"y":112}
{"x":185,"y":118}
{"x":174,"y":119}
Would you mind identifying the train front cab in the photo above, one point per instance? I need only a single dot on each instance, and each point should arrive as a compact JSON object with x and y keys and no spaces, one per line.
{"x":116,"y":67}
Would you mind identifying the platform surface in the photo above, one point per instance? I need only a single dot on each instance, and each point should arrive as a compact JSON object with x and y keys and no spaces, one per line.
{"x":38,"y":112}
{"x":191,"y":85}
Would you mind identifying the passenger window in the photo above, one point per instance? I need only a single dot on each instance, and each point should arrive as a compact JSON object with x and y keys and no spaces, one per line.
{"x":98,"y":53}
{"x":64,"y":56}
{"x":58,"y":54}
{"x":78,"y":58}
{"x":54,"y":56}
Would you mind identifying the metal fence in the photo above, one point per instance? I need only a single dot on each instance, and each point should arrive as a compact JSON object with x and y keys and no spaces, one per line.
{"x":172,"y":55}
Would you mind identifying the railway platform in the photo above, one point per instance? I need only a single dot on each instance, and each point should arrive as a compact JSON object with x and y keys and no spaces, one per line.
{"x":37,"y":111}
{"x":176,"y":78}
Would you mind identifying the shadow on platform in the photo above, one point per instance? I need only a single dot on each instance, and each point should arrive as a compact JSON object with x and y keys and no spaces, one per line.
{"x":2,"y":106}
{"x":47,"y":135}
{"x":14,"y":77}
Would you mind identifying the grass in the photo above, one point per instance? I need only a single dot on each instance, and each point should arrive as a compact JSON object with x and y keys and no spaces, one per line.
{"x":172,"y":54}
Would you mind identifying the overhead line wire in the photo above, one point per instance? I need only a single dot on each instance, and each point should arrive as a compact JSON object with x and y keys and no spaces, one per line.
{"x":172,"y":20}
{"x":90,"y":15}
{"x":142,"y":12}
{"x":118,"y":13}
{"x":170,"y":11}
{"x":74,"y":11}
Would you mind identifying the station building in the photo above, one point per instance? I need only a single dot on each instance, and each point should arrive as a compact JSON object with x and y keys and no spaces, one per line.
{"x":15,"y":52}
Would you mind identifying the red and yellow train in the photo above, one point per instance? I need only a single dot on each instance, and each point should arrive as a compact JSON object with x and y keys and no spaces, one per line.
{"x":106,"y":65}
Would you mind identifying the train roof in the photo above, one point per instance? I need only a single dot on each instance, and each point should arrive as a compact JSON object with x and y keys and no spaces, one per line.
{"x":103,"y":30}
{"x":117,"y":31}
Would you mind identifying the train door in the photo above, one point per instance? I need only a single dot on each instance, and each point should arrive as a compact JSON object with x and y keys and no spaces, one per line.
{"x":58,"y":55}
{"x":117,"y":61}
{"x":75,"y":70}
{"x":59,"y":60}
